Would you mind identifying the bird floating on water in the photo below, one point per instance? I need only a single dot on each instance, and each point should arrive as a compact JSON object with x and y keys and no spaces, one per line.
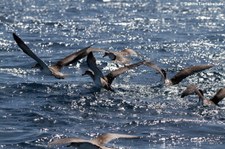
{"x":99,"y":79}
{"x":182,"y":74}
{"x":192,"y":89}
{"x":54,"y":69}
{"x":96,"y":143}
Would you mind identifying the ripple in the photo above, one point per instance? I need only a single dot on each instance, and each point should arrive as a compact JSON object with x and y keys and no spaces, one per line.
{"x":36,"y":108}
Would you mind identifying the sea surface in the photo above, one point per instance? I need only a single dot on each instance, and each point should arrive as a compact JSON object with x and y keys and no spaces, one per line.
{"x":36,"y":108}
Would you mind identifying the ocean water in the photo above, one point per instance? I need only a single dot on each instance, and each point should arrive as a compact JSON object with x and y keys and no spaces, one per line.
{"x":36,"y":108}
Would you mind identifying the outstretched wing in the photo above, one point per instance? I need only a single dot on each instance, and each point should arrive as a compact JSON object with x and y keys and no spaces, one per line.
{"x":218,"y":96}
{"x":67,"y":141}
{"x":189,"y":71}
{"x":113,"y":74}
{"x":127,"y":51}
{"x":191,"y":89}
{"x":105,"y":138}
{"x":76,"y":56}
{"x":91,"y":61}
{"x":162,"y":72}
{"x":30,"y":53}
{"x":77,"y":142}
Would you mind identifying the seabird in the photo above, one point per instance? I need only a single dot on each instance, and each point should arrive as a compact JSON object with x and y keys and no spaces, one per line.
{"x":54,"y":69}
{"x":180,"y":75}
{"x":121,"y":56}
{"x":105,"y":81}
{"x":191,"y":89}
{"x":96,"y":143}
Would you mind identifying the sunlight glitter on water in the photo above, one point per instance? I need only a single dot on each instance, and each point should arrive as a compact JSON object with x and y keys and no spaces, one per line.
{"x":37,"y":108}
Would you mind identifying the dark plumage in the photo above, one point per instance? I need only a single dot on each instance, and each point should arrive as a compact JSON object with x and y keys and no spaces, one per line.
{"x":180,"y":75}
{"x":192,"y":89}
{"x":96,"y":143}
{"x":54,"y":69}
{"x":98,"y":77}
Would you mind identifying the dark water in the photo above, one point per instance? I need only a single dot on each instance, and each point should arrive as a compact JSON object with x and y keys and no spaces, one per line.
{"x":35,"y":109}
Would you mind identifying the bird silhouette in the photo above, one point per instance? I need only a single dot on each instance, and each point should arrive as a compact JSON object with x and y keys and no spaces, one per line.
{"x":105,"y":81}
{"x":121,"y":56}
{"x":182,"y":74}
{"x":54,"y":69}
{"x":96,"y":143}
{"x":192,"y":89}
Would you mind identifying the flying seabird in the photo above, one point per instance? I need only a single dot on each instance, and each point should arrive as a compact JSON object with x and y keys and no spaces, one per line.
{"x":180,"y":75}
{"x":96,"y":143}
{"x":121,"y":56}
{"x":191,"y":89}
{"x":54,"y":69}
{"x":105,"y":81}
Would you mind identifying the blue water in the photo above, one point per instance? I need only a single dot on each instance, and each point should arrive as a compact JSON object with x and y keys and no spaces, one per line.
{"x":34,"y":108}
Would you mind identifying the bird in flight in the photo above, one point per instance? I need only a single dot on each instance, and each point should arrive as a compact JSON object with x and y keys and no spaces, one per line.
{"x":192,"y":89}
{"x":96,"y":143}
{"x":182,"y":74}
{"x":56,"y":68}
{"x":121,"y":56}
{"x":105,"y":81}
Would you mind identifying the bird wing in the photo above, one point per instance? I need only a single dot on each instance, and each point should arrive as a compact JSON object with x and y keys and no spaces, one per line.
{"x":91,"y":61}
{"x":121,"y":59}
{"x":72,"y":58}
{"x":113,"y":74}
{"x":131,"y":52}
{"x":126,"y":52}
{"x":105,"y":138}
{"x":189,"y":71}
{"x":30,"y":53}
{"x":156,"y":68}
{"x":76,"y":56}
{"x":189,"y":90}
{"x":77,"y":142}
{"x":218,"y":96}
{"x":68,"y":141}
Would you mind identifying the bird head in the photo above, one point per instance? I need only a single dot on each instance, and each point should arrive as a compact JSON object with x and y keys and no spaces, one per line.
{"x":111,"y":55}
